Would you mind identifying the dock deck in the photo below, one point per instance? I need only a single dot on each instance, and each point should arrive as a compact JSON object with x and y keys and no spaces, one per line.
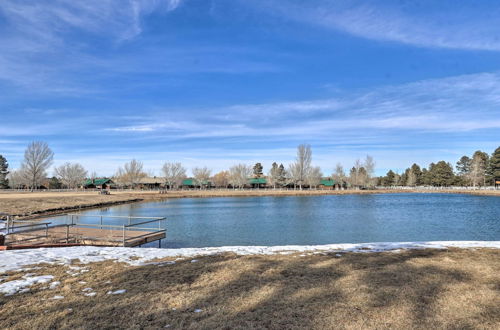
{"x":128,"y":234}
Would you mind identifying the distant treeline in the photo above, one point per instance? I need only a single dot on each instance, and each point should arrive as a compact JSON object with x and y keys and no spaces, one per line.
{"x":481,"y":169}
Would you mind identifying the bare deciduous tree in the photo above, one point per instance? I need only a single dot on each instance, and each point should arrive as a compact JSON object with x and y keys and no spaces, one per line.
{"x":354,"y":175}
{"x":369,"y":166}
{"x":239,"y":175}
{"x":18,"y":179}
{"x":131,"y":173}
{"x":93,"y":175}
{"x":174,"y":173}
{"x":37,"y":159}
{"x":302,"y":165}
{"x":71,"y":175}
{"x":201,"y":175}
{"x":339,"y":175}
{"x":478,"y":168}
{"x":221,"y":179}
{"x":314,"y":176}
{"x":411,"y":179}
{"x":274,"y":175}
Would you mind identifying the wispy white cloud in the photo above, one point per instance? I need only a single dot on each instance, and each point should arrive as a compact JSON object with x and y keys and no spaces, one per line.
{"x":51,"y":20}
{"x":443,"y":24}
{"x":42,"y":45}
{"x":449,"y":105}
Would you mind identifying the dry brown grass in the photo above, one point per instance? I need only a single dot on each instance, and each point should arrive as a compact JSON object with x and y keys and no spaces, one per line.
{"x":34,"y":204}
{"x":419,"y":289}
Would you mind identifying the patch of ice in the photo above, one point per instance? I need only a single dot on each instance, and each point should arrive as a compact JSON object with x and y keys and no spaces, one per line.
{"x":12,"y":287}
{"x":198,"y":310}
{"x":122,"y":291}
{"x":16,"y":259}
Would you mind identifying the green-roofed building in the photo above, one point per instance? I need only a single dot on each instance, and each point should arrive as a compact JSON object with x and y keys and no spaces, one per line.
{"x":191,"y":183}
{"x":327,"y":184}
{"x":103,"y":183}
{"x":257,"y":182}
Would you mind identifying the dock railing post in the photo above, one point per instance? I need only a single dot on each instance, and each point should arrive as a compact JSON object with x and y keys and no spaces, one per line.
{"x":8,"y":224}
{"x":123,"y":235}
{"x":101,"y":222}
{"x":67,"y":234}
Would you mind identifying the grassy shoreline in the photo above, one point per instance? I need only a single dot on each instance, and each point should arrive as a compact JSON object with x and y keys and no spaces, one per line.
{"x":414,"y":289}
{"x":39,"y":204}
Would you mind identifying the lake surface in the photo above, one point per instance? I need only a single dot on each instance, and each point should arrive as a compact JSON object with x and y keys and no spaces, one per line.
{"x":312,"y":220}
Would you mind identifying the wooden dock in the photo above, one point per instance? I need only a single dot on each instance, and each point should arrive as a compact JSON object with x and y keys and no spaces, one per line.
{"x":128,"y":234}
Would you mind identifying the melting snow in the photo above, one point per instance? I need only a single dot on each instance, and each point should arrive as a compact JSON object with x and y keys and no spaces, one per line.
{"x":117,"y":292}
{"x":54,"y":285}
{"x":16,"y":259}
{"x":22,"y":285}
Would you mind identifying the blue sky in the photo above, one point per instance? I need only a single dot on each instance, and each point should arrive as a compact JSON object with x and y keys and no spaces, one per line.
{"x":225,"y":81}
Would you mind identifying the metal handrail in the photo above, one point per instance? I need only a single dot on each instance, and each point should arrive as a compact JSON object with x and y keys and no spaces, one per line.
{"x":112,"y":216}
{"x":143,"y":235}
{"x":32,"y":225}
{"x":144,"y":222}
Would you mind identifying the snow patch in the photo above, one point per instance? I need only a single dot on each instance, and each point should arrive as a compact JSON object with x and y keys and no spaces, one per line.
{"x":122,"y":291}
{"x":57,"y":297}
{"x":54,"y":285}
{"x":22,"y":285}
{"x":16,"y":259}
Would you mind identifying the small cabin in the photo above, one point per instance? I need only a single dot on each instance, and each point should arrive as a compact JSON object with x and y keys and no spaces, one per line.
{"x":152,"y":182}
{"x":192,"y":183}
{"x":327,"y":184}
{"x":98,"y":183}
{"x":257,"y":182}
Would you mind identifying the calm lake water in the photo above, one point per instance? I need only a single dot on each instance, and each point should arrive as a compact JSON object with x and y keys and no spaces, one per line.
{"x":202,"y":222}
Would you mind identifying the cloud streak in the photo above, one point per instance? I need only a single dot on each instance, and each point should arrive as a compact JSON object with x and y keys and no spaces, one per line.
{"x":443,"y":24}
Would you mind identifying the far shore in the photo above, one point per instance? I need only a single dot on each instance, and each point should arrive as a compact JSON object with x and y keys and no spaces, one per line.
{"x":44,"y":203}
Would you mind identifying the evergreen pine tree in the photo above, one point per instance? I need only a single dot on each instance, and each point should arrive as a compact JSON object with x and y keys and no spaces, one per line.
{"x":257,"y":170}
{"x":4,"y":166}
{"x":282,"y":175}
{"x":494,"y":166}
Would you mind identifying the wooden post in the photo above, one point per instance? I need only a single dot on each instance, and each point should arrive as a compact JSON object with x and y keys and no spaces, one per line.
{"x":123,"y":235}
{"x":67,"y":234}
